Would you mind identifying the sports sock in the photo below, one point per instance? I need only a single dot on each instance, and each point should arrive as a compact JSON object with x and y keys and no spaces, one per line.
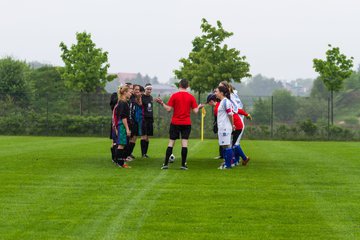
{"x":241,"y":152}
{"x":120,"y":156}
{"x":184,"y":152}
{"x":143,"y":147}
{"x":236,"y":153}
{"x":221,"y":152}
{"x":146,"y":146}
{"x":168,"y":153}
{"x":112,"y":149}
{"x":131,"y":148}
{"x":228,"y":153}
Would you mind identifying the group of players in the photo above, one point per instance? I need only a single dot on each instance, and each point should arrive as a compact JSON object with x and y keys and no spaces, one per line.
{"x":229,"y":124}
{"x":133,"y":116}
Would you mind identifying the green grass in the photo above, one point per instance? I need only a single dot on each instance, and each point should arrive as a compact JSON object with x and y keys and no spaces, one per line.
{"x":67,"y":188}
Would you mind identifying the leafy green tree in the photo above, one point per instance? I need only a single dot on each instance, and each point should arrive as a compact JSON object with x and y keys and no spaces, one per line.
{"x":333,"y":71}
{"x":319,"y":90}
{"x":262,"y":111}
{"x":263,"y":86}
{"x":13,"y":80}
{"x":285,"y":105}
{"x":313,"y":108}
{"x":211,"y":61}
{"x":86,"y":67}
{"x":47,"y":80}
{"x":353,"y":82}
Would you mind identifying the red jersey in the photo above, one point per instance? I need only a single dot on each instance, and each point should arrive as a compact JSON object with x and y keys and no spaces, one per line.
{"x":182,"y":103}
{"x":216,"y":108}
{"x":238,"y":122}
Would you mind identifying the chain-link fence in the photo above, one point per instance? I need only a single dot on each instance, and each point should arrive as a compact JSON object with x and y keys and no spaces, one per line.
{"x":80,"y":114}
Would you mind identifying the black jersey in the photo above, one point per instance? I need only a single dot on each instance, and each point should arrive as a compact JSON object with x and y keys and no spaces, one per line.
{"x":122,"y":110}
{"x":147,"y":102}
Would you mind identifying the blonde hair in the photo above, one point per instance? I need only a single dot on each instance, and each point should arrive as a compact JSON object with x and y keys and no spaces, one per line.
{"x":121,"y":92}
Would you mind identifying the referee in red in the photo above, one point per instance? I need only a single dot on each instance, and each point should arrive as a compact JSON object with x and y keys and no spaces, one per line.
{"x":181,"y":103}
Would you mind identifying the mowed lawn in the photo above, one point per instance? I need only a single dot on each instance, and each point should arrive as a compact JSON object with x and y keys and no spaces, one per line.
{"x":68,"y":188}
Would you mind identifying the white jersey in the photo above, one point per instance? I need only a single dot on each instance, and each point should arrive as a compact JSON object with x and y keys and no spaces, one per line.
{"x":223,"y":121}
{"x":236,"y":102}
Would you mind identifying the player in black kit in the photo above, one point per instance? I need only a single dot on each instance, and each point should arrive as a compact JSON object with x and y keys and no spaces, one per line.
{"x":147,"y":127}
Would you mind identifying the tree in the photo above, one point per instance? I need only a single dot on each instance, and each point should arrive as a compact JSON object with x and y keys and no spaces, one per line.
{"x":13,"y":79}
{"x":211,"y":61}
{"x":319,"y":90}
{"x":285,"y":105}
{"x":85,"y":65}
{"x":353,"y":82}
{"x":262,"y":111}
{"x":333,"y":71}
{"x":263,"y":86}
{"x":47,"y":80}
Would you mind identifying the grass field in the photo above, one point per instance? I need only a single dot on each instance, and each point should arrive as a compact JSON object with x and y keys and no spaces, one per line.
{"x":68,"y":188}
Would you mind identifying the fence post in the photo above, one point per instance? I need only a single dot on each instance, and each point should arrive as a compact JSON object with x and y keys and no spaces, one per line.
{"x":47,"y":114}
{"x":272,"y":117}
{"x":158,"y":119}
{"x":328,"y":125}
{"x":80,"y":103}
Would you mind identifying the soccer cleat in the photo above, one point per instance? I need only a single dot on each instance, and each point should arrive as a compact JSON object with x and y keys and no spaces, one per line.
{"x":164,"y":167}
{"x":145,"y":156}
{"x":129,"y":159}
{"x":125,"y":166}
{"x":244,"y":162}
{"x":184,"y":168}
{"x":132,"y":156}
{"x":223,"y":167}
{"x":218,"y":157}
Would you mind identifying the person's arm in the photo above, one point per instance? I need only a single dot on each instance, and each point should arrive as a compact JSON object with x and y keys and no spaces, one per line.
{"x":231,"y":118}
{"x":165,"y":106}
{"x":230,"y":113}
{"x":243,"y":112}
{"x":196,"y":110}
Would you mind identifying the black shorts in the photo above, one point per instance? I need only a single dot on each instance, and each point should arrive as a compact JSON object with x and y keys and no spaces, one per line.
{"x":177,"y":130}
{"x":136,"y":129}
{"x":147,"y":127}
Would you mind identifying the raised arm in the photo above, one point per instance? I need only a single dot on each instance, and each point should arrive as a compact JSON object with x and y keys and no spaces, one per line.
{"x":165,"y":106}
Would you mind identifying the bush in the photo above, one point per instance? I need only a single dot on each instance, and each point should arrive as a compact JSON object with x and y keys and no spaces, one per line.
{"x":32,"y":123}
{"x":353,"y":121}
{"x":308,"y":127}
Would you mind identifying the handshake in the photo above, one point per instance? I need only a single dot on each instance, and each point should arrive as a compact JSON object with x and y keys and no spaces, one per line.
{"x":159,"y":101}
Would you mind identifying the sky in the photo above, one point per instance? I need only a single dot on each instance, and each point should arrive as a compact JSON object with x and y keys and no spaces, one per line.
{"x":279,"y":37}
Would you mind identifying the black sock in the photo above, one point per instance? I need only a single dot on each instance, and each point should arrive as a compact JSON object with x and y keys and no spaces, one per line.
{"x":131,"y":147}
{"x":184,"y":151}
{"x":168,"y":153}
{"x":146,"y":146}
{"x":221,"y":153}
{"x":143,"y":147}
{"x":120,"y":156}
{"x":112,"y":149}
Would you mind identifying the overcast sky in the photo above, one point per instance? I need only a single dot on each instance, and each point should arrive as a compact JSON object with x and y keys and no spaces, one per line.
{"x":279,"y":37}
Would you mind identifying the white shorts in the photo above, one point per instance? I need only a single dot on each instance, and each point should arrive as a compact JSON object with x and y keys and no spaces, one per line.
{"x":224,"y":138}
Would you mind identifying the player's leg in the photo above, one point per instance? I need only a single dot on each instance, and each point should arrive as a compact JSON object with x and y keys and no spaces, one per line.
{"x":225,"y":143}
{"x":174,"y":134}
{"x":121,"y":143}
{"x":185,"y":133}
